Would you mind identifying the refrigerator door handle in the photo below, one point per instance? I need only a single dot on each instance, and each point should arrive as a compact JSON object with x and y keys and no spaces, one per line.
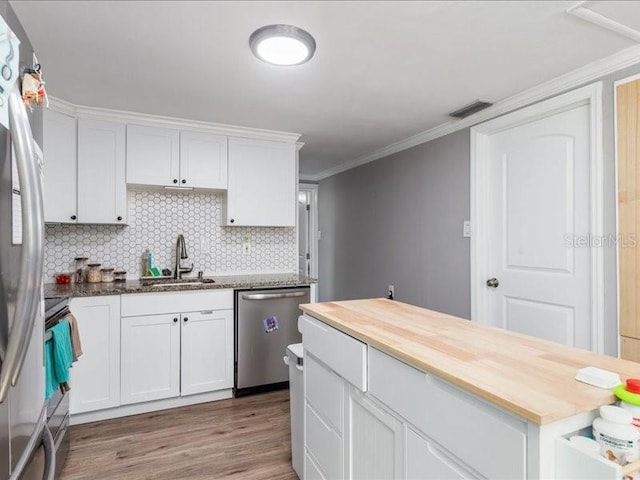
{"x":31,"y":261}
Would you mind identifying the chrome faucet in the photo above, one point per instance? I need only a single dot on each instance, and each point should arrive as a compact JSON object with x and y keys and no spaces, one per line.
{"x":181,"y":254}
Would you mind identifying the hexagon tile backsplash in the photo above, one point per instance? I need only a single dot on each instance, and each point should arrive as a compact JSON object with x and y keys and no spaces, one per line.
{"x":155,"y":220}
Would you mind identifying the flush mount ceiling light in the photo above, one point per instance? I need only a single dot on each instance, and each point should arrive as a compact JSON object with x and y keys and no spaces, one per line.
{"x":282,"y":45}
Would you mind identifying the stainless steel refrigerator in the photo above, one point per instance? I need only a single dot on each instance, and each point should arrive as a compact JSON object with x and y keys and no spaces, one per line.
{"x":26,"y":446}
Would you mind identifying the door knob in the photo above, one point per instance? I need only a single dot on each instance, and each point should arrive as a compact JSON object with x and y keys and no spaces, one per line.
{"x":493,"y":283}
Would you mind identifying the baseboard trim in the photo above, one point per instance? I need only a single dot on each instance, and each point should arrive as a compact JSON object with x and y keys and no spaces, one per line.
{"x":146,"y":407}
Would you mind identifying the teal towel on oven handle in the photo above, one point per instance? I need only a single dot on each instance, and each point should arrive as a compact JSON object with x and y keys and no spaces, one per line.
{"x":58,"y":356}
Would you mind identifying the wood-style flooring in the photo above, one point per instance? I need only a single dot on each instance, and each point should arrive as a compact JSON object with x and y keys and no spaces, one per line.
{"x":245,"y":438}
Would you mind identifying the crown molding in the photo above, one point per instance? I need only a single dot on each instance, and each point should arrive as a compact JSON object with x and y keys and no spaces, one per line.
{"x":592,"y":71}
{"x":68,"y":108}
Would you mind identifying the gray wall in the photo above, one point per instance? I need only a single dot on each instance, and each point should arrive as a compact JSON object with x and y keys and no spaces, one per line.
{"x":398,"y":221}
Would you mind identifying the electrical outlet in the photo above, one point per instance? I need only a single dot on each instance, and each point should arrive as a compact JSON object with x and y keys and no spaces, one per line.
{"x":205,"y":245}
{"x":466,"y":229}
{"x":391,"y":293}
{"x":246,"y":245}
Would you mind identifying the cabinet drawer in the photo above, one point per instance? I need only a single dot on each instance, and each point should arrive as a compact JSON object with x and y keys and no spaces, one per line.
{"x":342,"y":353}
{"x":191,"y":301}
{"x":426,"y":461}
{"x":324,"y":445}
{"x":574,"y":464}
{"x":324,"y":391}
{"x":458,"y":421}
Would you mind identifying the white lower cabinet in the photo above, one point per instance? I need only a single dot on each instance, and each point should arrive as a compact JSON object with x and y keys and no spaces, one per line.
{"x":206,"y":353}
{"x":95,"y":377}
{"x":150,"y":358}
{"x":167,"y":355}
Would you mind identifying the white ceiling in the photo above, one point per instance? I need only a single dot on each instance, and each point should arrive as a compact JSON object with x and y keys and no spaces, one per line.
{"x":383,"y":71}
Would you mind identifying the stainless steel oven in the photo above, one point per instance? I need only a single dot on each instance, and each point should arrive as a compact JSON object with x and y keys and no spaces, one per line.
{"x":58,"y":404}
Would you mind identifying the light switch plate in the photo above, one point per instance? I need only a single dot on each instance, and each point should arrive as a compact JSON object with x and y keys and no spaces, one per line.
{"x":466,"y":229}
{"x":205,"y":245}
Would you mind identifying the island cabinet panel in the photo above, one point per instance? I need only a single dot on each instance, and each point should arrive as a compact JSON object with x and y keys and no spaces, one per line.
{"x":375,"y":439}
{"x":453,"y":418}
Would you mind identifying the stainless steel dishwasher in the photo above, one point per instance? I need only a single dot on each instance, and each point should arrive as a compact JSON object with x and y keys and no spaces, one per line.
{"x":266,"y":323}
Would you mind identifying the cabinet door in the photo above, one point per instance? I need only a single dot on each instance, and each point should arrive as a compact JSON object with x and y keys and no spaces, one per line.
{"x":153,"y":156}
{"x":262,"y":183}
{"x":95,"y":377}
{"x":427,"y":461}
{"x":203,"y":160}
{"x":102,"y":191}
{"x":207,"y":351}
{"x":60,"y":168}
{"x":374,"y":440}
{"x":150,"y":358}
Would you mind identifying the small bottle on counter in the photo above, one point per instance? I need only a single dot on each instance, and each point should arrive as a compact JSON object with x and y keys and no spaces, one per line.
{"x":80,"y":266}
{"x":619,"y":440}
{"x":93,"y":273}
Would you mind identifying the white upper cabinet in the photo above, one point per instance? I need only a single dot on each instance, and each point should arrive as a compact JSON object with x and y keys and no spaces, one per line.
{"x":203,"y":160}
{"x":153,"y":156}
{"x":167,"y":157}
{"x":102,"y":191}
{"x":262,"y":183}
{"x":60,"y":187}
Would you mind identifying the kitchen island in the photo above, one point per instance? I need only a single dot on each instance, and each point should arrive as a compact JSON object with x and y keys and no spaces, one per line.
{"x":397,"y":391}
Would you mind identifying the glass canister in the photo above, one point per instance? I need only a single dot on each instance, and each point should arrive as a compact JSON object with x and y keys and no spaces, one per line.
{"x":107,"y":275}
{"x":80,"y":266}
{"x":120,"y":276}
{"x":93,"y":273}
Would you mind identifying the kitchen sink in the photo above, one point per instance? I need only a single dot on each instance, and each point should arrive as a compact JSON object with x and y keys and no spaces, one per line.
{"x":174,"y":282}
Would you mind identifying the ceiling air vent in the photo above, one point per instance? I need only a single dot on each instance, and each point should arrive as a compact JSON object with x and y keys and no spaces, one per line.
{"x":470,"y":109}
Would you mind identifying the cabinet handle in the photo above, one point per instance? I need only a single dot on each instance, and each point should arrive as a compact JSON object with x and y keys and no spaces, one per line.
{"x":175,"y":320}
{"x":231,"y":221}
{"x":175,"y":180}
{"x":73,"y":217}
{"x":119,"y":219}
{"x":184,"y":181}
{"x":186,"y":319}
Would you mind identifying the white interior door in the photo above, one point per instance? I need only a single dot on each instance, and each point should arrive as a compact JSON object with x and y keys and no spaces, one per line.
{"x":537,"y":231}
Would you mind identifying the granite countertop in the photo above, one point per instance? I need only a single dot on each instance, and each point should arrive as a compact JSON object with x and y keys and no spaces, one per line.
{"x":530,"y":377}
{"x":51,"y":290}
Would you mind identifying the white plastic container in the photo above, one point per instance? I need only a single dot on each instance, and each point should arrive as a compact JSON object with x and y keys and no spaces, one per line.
{"x":587,"y":445}
{"x":295,"y":360}
{"x":619,"y":440}
{"x":634,"y":410}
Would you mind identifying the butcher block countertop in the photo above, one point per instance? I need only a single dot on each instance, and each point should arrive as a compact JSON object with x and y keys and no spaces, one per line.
{"x":529,"y":377}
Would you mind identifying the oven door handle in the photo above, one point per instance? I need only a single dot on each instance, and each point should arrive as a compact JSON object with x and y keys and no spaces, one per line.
{"x":49,"y":455}
{"x":269,"y":296}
